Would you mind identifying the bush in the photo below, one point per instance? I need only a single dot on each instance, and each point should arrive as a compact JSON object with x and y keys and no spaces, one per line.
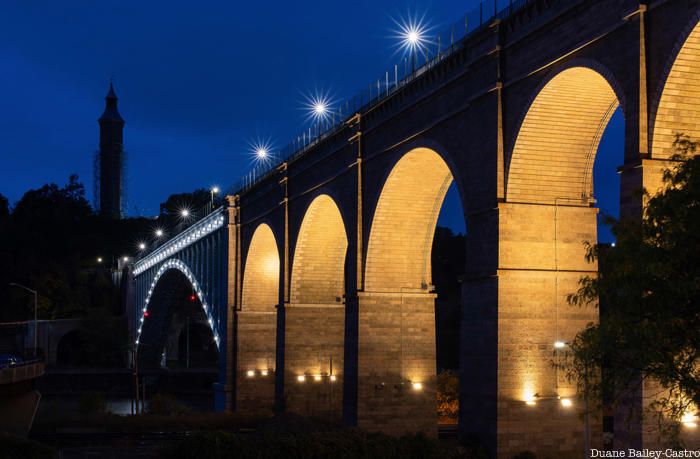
{"x":166,"y":405}
{"x":448,"y":396}
{"x":19,"y":448}
{"x":92,"y":403}
{"x":338,"y":444}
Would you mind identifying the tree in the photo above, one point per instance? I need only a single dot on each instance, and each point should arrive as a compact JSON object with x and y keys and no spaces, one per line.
{"x":190,"y":201}
{"x":50,"y":241}
{"x":648,"y":288}
{"x":4,"y":209}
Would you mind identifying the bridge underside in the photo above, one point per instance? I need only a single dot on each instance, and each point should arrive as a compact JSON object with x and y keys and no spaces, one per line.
{"x":176,"y":329}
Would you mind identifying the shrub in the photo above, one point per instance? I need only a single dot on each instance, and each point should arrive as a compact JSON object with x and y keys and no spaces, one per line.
{"x":448,"y":396}
{"x":166,"y":405}
{"x":92,"y":403}
{"x":338,"y":444}
{"x":18,"y":448}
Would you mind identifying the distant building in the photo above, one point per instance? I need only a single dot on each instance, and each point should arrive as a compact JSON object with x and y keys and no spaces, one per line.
{"x":110,"y":190}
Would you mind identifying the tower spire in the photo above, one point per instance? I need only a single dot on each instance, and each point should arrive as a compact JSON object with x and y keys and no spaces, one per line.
{"x":110,"y":159}
{"x":111,"y":112}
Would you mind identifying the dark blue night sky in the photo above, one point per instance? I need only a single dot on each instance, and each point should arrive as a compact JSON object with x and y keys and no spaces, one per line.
{"x":197,"y":82}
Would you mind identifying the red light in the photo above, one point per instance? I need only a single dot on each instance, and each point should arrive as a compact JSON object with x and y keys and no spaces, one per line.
{"x":193,"y":298}
{"x":146,"y":314}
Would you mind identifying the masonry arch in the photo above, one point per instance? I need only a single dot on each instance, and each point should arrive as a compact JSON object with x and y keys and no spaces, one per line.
{"x":399,"y":296}
{"x":174,"y":296}
{"x":318,"y":270}
{"x":555,"y":148}
{"x":403,"y":226}
{"x":262,"y":272}
{"x":549,"y":213}
{"x":257,"y":323}
{"x":315,"y":316}
{"x":71,"y":350}
{"x":678,"y":108}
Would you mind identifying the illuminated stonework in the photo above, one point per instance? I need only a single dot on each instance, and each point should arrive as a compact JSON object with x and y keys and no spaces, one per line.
{"x":315,"y":316}
{"x":319,"y":257}
{"x":558,"y":140}
{"x":679,"y":107}
{"x":401,"y":238}
{"x":262,"y":272}
{"x":515,"y":117}
{"x":257,"y":323}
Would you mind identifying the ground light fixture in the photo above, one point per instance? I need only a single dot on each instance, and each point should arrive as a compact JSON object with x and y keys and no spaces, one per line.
{"x":531,"y":399}
{"x":689,"y":420}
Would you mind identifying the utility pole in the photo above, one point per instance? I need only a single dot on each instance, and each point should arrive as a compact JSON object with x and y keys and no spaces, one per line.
{"x":187,"y":361}
{"x":136,"y":377}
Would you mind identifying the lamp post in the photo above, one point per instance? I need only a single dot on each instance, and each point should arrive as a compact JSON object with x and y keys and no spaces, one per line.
{"x":14,"y":284}
{"x":214,"y":190}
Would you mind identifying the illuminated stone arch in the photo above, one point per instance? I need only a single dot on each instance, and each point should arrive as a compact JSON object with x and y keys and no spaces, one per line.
{"x":401,"y":236}
{"x":678,"y":108}
{"x":262,"y":272}
{"x":553,"y":156}
{"x":318,"y":270}
{"x":315,"y":318}
{"x":257,"y":324}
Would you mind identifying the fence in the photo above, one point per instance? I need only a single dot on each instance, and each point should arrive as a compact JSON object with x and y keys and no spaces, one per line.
{"x":433,"y":50}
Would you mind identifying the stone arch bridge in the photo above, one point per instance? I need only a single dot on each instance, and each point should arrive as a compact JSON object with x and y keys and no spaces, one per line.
{"x":316,"y":279}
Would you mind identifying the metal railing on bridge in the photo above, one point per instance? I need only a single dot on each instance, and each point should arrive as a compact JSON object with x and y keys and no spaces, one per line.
{"x":435,"y":50}
{"x":190,"y":234}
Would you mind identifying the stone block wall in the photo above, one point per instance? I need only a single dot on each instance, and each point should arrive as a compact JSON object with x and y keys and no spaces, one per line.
{"x":314,"y":352}
{"x":396,"y":368}
{"x":541,"y":262}
{"x":256,"y":336}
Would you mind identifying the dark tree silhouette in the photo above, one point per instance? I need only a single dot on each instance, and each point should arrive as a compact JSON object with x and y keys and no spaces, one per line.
{"x":650,"y":300}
